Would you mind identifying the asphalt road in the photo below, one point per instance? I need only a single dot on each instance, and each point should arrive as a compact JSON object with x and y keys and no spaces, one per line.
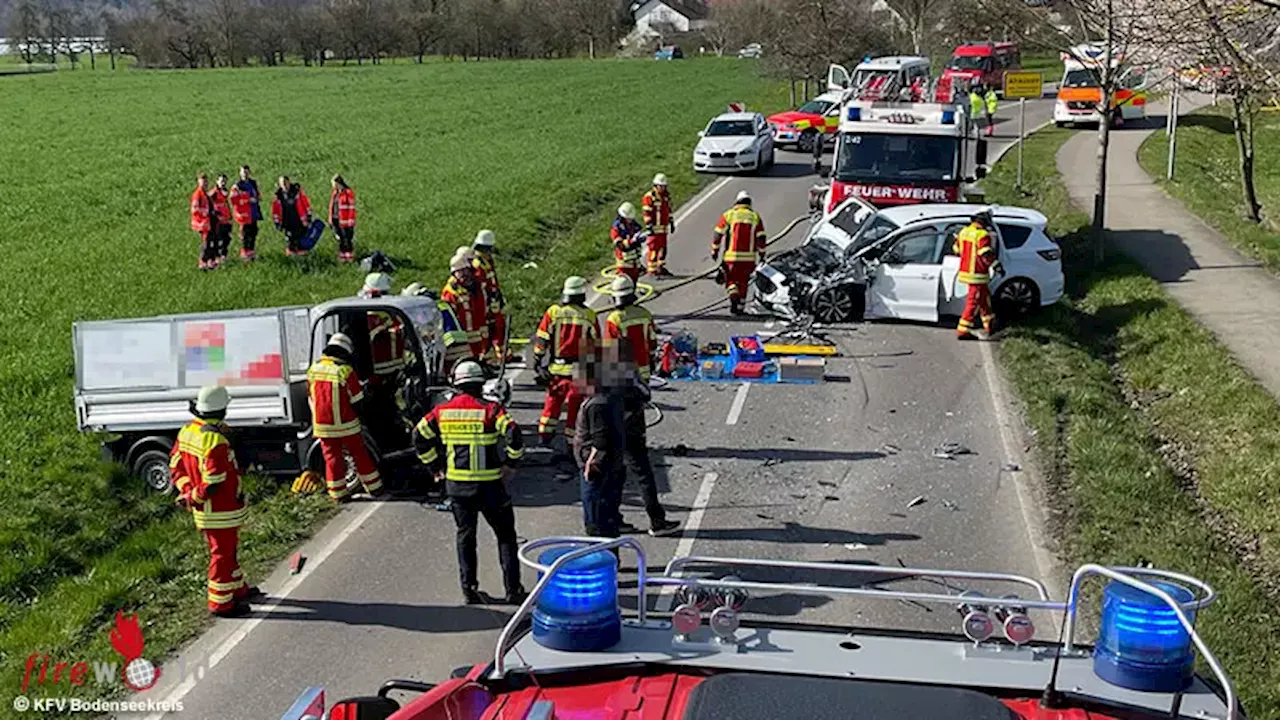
{"x":822,"y":472}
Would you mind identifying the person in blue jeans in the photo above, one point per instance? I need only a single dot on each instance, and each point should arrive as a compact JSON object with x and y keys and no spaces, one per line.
{"x":599,"y":445}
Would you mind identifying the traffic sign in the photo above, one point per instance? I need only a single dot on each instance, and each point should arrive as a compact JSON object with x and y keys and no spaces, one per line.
{"x":1023,"y":85}
{"x":737,"y":107}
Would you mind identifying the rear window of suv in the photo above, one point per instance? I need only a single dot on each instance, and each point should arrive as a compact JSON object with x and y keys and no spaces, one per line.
{"x":1014,"y":236}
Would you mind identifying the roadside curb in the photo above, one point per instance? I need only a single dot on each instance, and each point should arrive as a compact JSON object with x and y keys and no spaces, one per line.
{"x":1004,"y":150}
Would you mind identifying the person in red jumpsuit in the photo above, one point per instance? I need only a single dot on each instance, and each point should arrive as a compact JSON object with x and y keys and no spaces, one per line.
{"x":627,"y":241}
{"x":222,"y":213}
{"x":569,"y":335}
{"x":463,"y":292}
{"x":742,"y":232}
{"x":659,"y":222}
{"x":203,"y":223}
{"x":334,"y":392}
{"x":978,"y":262}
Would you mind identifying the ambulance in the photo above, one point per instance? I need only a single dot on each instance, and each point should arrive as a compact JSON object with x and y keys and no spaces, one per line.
{"x":1080,"y":91}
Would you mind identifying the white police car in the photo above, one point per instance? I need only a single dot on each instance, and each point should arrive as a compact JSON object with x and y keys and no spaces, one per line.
{"x":734,"y":142}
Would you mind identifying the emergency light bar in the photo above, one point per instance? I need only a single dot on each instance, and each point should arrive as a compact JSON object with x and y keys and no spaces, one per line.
{"x":854,"y":114}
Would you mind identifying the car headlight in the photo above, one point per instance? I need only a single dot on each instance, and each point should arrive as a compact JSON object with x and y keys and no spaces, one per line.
{"x":748,"y":151}
{"x":699,"y":151}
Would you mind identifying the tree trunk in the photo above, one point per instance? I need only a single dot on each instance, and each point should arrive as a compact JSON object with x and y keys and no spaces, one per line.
{"x":591,"y":47}
{"x":792,"y":85}
{"x":113,"y":58}
{"x":93,"y":63}
{"x":1104,"y":142}
{"x":1243,"y":125}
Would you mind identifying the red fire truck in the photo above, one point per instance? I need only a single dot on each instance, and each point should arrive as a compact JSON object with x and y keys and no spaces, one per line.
{"x":983,"y":63}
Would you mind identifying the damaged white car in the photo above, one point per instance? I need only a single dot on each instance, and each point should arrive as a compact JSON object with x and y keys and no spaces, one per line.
{"x":897,"y":262}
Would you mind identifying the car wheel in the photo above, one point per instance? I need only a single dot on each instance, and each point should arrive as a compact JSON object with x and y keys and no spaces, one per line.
{"x":834,"y":304}
{"x":1060,"y":124}
{"x":1017,"y":297}
{"x":153,"y":467}
{"x":805,"y":143}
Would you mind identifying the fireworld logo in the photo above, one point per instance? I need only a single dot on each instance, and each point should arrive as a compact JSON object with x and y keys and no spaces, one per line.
{"x":137,"y":673}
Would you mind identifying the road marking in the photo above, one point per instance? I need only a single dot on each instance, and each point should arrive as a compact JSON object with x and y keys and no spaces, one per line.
{"x":666,"y":596}
{"x":739,"y":400}
{"x":688,"y":209}
{"x":224,"y":649}
{"x":1031,"y":518}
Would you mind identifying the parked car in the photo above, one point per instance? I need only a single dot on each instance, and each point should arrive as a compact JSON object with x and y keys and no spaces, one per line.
{"x":752,"y":50}
{"x":897,"y":262}
{"x":669,"y":52}
{"x":815,"y":112}
{"x":734,"y":142}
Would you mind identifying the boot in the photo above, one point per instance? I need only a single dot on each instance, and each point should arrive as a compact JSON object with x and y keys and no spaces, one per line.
{"x":473,"y":596}
{"x":664,"y":528}
{"x":237,"y":610}
{"x":514,"y":597}
{"x":735,"y":306}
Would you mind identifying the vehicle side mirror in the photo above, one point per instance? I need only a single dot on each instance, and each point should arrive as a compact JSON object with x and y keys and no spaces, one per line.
{"x":980,"y":153}
{"x":364,"y":708}
{"x":702,"y":133}
{"x":980,"y":171}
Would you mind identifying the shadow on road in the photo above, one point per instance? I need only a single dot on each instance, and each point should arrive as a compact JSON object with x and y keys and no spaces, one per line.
{"x":1164,"y":255}
{"x":791,"y":532}
{"x":415,"y":618}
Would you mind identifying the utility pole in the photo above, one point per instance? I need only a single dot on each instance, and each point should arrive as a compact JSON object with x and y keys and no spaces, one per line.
{"x":1173,"y":131}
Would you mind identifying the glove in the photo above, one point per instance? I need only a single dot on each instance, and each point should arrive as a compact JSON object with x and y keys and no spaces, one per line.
{"x":997,"y":268}
{"x":542,"y":374}
{"x":715,"y":255}
{"x":671,"y":225}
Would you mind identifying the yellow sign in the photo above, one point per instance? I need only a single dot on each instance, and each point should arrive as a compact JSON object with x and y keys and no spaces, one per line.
{"x":1023,"y":85}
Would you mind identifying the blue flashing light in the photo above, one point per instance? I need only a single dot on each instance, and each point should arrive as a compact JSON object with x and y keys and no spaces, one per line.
{"x":1141,"y":644}
{"x":854,"y":114}
{"x":578,"y":611}
{"x":948,"y":117}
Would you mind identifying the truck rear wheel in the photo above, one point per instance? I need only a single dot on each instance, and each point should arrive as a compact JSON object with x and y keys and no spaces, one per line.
{"x":153,"y":467}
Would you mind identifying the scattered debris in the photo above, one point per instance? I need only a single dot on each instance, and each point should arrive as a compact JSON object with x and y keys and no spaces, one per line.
{"x":898,"y":515}
{"x":830,"y":498}
{"x":951,"y":414}
{"x":854,"y":546}
{"x":799,"y":496}
{"x":529,"y":266}
{"x":762,"y":516}
{"x":1011,"y":467}
{"x":917,"y":500}
{"x":950,"y":505}
{"x":826,"y":483}
{"x":680,"y":450}
{"x":892,"y":449}
{"x":788,"y":438}
{"x":769,"y":462}
{"x":948,"y":450}
{"x":296,"y":562}
{"x":892,"y":411}
{"x":943,"y":455}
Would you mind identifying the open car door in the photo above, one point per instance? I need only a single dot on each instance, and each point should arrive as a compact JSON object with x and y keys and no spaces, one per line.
{"x":903,"y":281}
{"x":837,"y":78}
{"x":1131,"y":93}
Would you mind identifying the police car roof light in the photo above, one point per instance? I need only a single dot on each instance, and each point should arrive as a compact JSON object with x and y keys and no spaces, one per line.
{"x":948,"y":117}
{"x":854,"y":114}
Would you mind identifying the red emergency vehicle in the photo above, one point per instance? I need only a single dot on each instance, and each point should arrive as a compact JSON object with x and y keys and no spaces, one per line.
{"x":983,"y":63}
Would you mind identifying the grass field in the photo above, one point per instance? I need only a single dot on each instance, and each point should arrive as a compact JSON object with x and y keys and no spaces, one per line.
{"x":98,"y":171}
{"x":1050,"y":64}
{"x":1207,"y":178}
{"x":1155,"y":445}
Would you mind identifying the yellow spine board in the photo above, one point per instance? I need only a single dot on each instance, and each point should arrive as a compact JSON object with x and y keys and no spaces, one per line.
{"x":776,"y":349}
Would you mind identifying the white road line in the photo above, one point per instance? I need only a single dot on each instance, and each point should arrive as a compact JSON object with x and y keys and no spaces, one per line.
{"x":313,"y":562}
{"x":667,"y":597}
{"x":739,"y":401}
{"x":1031,"y":517}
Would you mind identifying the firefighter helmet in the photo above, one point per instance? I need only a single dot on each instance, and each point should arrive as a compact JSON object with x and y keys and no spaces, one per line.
{"x":484,"y":239}
{"x":468,"y":372}
{"x":575,"y":285}
{"x":212,"y":399}
{"x":660,"y":179}
{"x":744,"y":198}
{"x":380,"y":282}
{"x":622,"y":285}
{"x":459,"y":262}
{"x":414,"y":288}
{"x":627,"y":210}
{"x":341,"y":340}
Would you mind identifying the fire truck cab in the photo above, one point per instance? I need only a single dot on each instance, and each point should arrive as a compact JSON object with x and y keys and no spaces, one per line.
{"x":895,"y":153}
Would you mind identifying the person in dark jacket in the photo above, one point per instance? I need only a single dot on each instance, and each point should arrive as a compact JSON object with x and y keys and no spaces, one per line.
{"x":291,"y":212}
{"x":635,"y":397}
{"x":599,"y":445}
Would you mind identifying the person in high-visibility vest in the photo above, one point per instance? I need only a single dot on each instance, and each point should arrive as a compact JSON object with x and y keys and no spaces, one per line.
{"x":977,"y":105}
{"x":487,"y":275}
{"x":991,"y":103}
{"x":463,"y":292}
{"x":203,"y":223}
{"x":568,"y":332}
{"x":246,"y":209}
{"x":742,"y":231}
{"x":978,"y":262}
{"x":342,"y":218}
{"x":203,"y":467}
{"x":659,"y":222}
{"x":625,"y":235}
{"x":629,"y":328}
{"x":222,"y":213}
{"x":334,"y":393}
{"x":473,"y":445}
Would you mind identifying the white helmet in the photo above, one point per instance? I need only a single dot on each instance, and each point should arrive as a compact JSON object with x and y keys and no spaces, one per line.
{"x":212,"y":399}
{"x":341,"y":340}
{"x":660,"y":179}
{"x":622,"y":285}
{"x":627,"y":210}
{"x":743,"y":197}
{"x":377,"y":281}
{"x":414,"y":288}
{"x":459,"y":262}
{"x":484,"y":239}
{"x":575,"y":285}
{"x":468,"y":372}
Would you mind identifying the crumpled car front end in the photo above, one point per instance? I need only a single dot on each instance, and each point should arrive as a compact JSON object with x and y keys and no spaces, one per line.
{"x":788,"y":284}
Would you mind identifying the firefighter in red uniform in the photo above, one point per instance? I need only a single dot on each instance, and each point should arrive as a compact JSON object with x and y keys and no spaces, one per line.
{"x":246,"y":209}
{"x":978,"y":263}
{"x":204,"y":470}
{"x":569,"y":333}
{"x":342,"y":218}
{"x":473,"y":445}
{"x":387,"y":353}
{"x":334,"y":392}
{"x":487,"y":275}
{"x":742,"y":231}
{"x":291,"y":213}
{"x":465,"y":295}
{"x":221,"y":213}
{"x":625,"y":234}
{"x":202,"y":221}
{"x":629,"y":328}
{"x":659,"y":223}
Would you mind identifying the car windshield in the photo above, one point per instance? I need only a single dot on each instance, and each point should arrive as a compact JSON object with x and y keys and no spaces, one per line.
{"x":969,"y":62}
{"x":822,"y":249}
{"x":1081,"y":78}
{"x":815,"y":107}
{"x":883,"y":157}
{"x":723,"y":128}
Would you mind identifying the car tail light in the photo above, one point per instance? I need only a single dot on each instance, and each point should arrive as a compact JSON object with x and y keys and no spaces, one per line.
{"x":1051,"y":255}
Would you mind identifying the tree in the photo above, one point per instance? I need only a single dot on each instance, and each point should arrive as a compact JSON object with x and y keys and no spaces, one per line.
{"x":24,"y":29}
{"x":919,"y":19}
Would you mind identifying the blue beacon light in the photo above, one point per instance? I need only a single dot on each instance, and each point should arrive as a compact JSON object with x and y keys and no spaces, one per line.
{"x":948,"y":117}
{"x":854,"y":114}
{"x":1141,"y":645}
{"x":578,"y":611}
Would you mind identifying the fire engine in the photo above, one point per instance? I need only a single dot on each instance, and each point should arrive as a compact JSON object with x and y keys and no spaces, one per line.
{"x":893,"y":152}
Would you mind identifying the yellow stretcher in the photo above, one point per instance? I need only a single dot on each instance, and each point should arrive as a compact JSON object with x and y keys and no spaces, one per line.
{"x":780,"y":349}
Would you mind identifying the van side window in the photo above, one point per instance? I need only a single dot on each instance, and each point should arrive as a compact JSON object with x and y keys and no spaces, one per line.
{"x":1014,"y":236}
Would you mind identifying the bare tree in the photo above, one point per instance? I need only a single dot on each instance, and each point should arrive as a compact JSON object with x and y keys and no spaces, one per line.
{"x":24,"y":29}
{"x":919,"y":19}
